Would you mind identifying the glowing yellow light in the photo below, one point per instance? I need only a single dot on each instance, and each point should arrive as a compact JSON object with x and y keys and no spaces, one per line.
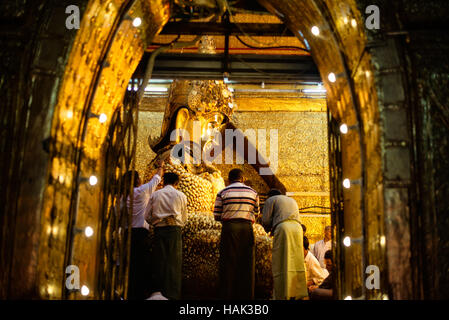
{"x":93,"y":180}
{"x":348,"y":298}
{"x":347,"y":241}
{"x":137,"y":22}
{"x":315,"y":31}
{"x":347,"y":183}
{"x":382,"y":240}
{"x":344,"y":128}
{"x":69,"y":114}
{"x":88,"y":232}
{"x":50,"y":290}
{"x":332,"y":77}
{"x":345,"y":20}
{"x":354,"y":23}
{"x":85,"y":290}
{"x":103,"y":118}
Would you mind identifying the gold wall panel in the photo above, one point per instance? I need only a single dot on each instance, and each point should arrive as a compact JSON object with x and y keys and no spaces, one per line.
{"x":70,"y":113}
{"x":303,"y":153}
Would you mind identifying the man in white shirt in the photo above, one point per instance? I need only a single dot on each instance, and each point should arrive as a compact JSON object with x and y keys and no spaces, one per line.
{"x":320,"y":247}
{"x":315,"y":274}
{"x":167,"y":212}
{"x":138,"y":288}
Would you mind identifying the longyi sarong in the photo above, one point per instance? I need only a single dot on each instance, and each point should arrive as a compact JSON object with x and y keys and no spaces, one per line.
{"x":167,"y":261}
{"x":237,"y":260}
{"x":139,"y":283}
{"x":289,"y":275}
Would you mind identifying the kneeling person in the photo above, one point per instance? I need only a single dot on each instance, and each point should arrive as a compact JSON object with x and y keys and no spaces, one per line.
{"x":167,"y":212}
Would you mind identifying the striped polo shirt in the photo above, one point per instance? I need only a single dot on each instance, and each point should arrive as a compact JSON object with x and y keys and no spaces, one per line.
{"x":236,"y":201}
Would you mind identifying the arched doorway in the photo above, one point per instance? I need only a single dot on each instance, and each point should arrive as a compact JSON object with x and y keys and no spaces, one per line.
{"x":107,"y":41}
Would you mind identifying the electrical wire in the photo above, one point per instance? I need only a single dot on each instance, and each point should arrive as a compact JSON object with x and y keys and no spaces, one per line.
{"x":246,"y":34}
{"x":274,"y":47}
{"x":315,"y":207}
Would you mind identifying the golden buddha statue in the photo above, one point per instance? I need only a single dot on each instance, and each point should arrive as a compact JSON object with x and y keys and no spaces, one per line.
{"x":195,"y":115}
{"x":197,"y":112}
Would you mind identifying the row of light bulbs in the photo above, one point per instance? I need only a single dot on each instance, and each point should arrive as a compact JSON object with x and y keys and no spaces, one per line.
{"x":93,"y":180}
{"x":316,"y":32}
{"x":344,"y":129}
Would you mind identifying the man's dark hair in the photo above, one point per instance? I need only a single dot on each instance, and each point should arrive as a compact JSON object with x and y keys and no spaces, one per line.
{"x":274,"y":192}
{"x":304,"y":228}
{"x":328,"y":255}
{"x":235,"y":175}
{"x":305,"y":243}
{"x":170,"y":178}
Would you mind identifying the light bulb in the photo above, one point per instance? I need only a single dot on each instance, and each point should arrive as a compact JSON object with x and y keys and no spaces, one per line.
{"x":137,"y":22}
{"x":348,"y":298}
{"x":88,"y":232}
{"x":50,"y":290}
{"x":103,"y":118}
{"x":315,"y":31}
{"x":85,"y":290}
{"x":69,"y":114}
{"x":347,"y":183}
{"x":354,"y":23}
{"x":347,"y":241}
{"x":382,"y":240}
{"x":344,"y":128}
{"x":93,"y":180}
{"x":332,"y":78}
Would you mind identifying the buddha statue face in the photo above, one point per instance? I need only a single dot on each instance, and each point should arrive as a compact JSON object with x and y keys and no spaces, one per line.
{"x":196,"y":113}
{"x":198,"y":133}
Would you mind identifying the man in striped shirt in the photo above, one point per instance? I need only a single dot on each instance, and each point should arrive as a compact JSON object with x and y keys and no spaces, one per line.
{"x":237,"y":206}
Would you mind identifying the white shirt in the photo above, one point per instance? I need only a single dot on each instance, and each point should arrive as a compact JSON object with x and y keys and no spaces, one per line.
{"x":168,"y":207}
{"x":319,"y":249}
{"x":141,"y":198}
{"x":314,"y":271}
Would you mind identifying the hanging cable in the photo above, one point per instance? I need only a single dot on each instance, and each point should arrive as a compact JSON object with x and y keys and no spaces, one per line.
{"x":155,"y":53}
{"x":274,"y":43}
{"x":314,"y":207}
{"x":274,"y":47}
